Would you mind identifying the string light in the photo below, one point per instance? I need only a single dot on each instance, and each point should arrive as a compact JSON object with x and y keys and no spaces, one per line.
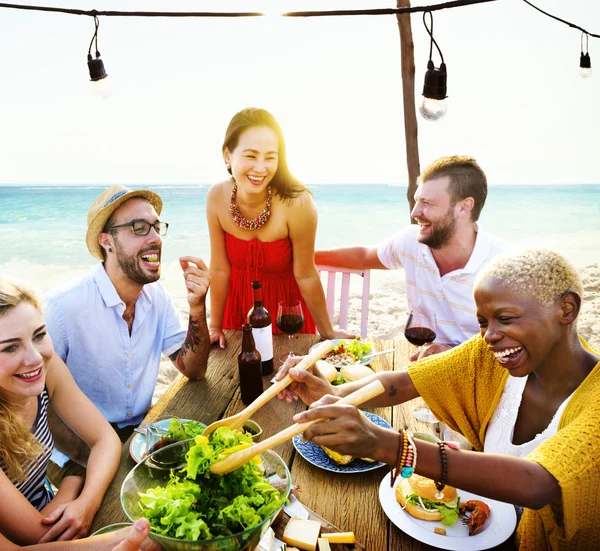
{"x":433,"y":106}
{"x":100,"y":83}
{"x":585,"y":63}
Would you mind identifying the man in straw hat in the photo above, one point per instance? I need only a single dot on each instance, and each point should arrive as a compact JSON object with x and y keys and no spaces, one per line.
{"x":112,"y":326}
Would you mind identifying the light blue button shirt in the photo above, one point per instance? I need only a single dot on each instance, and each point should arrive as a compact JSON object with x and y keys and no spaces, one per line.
{"x":115,"y":370}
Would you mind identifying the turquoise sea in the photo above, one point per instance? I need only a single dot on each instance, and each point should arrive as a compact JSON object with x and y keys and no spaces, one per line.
{"x":45,"y":226}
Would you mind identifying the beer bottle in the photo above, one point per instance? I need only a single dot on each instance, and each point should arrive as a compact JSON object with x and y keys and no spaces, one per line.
{"x":251,"y":383}
{"x":260,"y":320}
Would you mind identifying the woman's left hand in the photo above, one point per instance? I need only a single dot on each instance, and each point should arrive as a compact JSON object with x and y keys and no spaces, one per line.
{"x":342,"y":334}
{"x":347,"y":430}
{"x":72,"y":520}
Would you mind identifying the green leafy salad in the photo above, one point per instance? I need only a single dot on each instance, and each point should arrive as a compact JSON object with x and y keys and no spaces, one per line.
{"x":198,"y":505}
{"x":183,"y":430}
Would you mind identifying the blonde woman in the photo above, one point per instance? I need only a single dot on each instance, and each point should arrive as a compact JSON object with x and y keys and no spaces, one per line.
{"x":526,"y":390}
{"x":32,"y":377}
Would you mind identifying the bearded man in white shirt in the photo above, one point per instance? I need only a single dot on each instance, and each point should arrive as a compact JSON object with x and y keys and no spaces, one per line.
{"x":441,"y":254}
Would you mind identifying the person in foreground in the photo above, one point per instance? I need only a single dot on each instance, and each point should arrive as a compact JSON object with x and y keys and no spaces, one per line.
{"x":32,"y":377}
{"x":111,"y":327}
{"x":441,"y":254}
{"x":262,"y":224}
{"x":526,"y":390}
{"x":127,"y":539}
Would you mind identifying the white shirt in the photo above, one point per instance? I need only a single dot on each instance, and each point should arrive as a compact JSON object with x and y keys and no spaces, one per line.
{"x":115,"y":370}
{"x":499,"y":434}
{"x":449,"y":296}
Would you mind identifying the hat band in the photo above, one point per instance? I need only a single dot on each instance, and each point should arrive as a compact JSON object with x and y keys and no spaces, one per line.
{"x":115,"y":197}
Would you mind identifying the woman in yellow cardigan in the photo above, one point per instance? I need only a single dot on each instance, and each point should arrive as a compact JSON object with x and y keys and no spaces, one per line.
{"x":527,"y":387}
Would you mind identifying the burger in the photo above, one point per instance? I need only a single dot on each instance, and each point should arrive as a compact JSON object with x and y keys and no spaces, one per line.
{"x":417,"y":495}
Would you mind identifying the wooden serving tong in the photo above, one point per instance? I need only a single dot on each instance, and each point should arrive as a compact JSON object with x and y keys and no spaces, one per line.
{"x":237,"y":459}
{"x":236,"y":421}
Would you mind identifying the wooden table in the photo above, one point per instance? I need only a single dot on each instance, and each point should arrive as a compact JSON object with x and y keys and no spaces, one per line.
{"x":351,"y":502}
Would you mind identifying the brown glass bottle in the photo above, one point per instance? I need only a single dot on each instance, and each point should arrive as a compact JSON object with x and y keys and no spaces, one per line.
{"x":260,"y":320}
{"x":251,"y":383}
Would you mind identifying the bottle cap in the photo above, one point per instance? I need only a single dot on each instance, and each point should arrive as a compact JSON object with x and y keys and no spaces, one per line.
{"x":256,"y":284}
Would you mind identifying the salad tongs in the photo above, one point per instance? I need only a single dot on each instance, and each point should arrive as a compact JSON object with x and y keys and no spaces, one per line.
{"x":237,"y":459}
{"x":236,"y":421}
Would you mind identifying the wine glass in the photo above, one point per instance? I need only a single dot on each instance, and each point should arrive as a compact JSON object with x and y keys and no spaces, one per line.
{"x":420,"y":329}
{"x":290,"y":319}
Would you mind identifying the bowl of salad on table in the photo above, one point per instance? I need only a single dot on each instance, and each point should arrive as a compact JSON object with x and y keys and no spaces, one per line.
{"x":191,"y":509}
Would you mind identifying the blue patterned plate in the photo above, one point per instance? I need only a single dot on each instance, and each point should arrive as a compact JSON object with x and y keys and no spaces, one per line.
{"x":314,"y":454}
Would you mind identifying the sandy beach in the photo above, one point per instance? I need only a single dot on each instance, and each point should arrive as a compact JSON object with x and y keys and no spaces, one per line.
{"x":388,"y":311}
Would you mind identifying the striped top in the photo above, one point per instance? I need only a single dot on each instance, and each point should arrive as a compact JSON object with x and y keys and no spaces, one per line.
{"x":450,"y":296}
{"x":33,"y":487}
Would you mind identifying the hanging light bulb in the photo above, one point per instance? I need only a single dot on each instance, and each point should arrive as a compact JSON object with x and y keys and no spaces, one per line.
{"x":585,"y":63}
{"x":434,"y":106}
{"x":100,"y":83}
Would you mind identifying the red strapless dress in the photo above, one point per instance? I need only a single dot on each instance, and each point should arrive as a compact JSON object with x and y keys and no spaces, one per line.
{"x":269,"y":263}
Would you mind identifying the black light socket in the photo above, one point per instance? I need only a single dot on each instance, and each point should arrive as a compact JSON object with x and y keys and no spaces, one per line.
{"x":584,"y":61}
{"x":96,"y":67}
{"x":435,"y":82}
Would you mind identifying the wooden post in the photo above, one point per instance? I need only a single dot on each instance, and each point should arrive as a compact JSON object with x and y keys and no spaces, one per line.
{"x":407,"y":52}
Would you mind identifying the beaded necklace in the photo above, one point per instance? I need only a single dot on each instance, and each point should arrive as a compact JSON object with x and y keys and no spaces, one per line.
{"x":243,"y":222}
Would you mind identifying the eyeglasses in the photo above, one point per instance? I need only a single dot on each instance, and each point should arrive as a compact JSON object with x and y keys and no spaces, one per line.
{"x":142,"y":227}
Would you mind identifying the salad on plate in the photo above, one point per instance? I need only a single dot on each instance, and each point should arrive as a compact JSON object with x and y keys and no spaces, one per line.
{"x":349,"y":352}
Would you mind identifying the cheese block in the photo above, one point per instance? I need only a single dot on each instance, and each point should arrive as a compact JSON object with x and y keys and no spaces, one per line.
{"x":340,"y":537}
{"x":302,"y":533}
{"x":324,"y":544}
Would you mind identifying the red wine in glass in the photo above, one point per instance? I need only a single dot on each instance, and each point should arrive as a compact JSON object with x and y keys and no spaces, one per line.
{"x":420,"y":329}
{"x":290,"y":320}
{"x":419,"y":335}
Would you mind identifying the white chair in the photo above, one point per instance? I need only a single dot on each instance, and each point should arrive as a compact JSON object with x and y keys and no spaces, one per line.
{"x":345,"y":293}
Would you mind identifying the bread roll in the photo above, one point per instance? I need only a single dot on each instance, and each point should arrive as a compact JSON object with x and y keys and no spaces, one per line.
{"x":327,"y":370}
{"x":355,"y":372}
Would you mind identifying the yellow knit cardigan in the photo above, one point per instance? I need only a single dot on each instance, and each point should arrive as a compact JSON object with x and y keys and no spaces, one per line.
{"x":463,"y":386}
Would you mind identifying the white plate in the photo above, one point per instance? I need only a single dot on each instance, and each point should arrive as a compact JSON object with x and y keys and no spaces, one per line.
{"x":497,"y":528}
{"x":365,"y":361}
{"x":316,"y":455}
{"x":137,"y":447}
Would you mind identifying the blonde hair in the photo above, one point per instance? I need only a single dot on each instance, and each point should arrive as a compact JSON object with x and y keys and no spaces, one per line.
{"x":18,"y":447}
{"x":542,"y":274}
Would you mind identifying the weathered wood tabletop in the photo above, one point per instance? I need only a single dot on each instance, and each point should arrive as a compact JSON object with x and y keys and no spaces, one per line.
{"x":349,"y":501}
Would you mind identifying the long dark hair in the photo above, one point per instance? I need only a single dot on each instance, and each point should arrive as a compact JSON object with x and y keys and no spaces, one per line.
{"x":286,"y":185}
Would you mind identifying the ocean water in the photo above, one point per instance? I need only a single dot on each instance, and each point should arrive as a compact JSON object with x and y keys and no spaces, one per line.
{"x":42,"y":227}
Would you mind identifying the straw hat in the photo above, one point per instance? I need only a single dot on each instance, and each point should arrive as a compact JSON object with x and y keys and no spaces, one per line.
{"x":102,"y":208}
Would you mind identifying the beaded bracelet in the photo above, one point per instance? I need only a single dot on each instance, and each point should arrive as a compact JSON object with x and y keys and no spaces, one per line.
{"x":402,"y":451}
{"x":410,"y":464}
{"x":442,"y":483}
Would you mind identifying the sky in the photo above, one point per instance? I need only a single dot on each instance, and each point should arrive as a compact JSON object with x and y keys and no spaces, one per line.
{"x":516,"y":101}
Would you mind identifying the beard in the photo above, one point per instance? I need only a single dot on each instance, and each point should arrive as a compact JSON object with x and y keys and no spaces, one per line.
{"x":131,"y":266}
{"x":441,"y":231}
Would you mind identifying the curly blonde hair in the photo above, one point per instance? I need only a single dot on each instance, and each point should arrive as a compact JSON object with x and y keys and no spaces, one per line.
{"x":542,"y":274}
{"x":18,"y":447}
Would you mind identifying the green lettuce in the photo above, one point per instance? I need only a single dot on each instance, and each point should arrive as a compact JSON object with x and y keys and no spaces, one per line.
{"x":185,"y":430}
{"x":449,"y":514}
{"x":358,"y":349}
{"x":195,"y":504}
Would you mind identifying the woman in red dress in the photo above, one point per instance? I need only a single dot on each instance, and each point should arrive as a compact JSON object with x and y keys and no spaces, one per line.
{"x":262,"y":224}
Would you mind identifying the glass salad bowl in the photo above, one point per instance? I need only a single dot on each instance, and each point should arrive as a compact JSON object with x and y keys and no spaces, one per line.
{"x":155,"y":471}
